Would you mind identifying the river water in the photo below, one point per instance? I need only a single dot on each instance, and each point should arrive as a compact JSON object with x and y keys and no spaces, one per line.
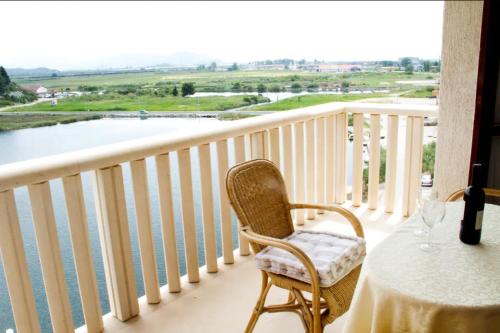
{"x":277,"y":96}
{"x":37,"y":142}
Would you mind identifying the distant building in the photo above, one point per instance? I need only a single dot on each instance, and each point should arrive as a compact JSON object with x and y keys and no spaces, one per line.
{"x":268,"y":66}
{"x":37,"y":89}
{"x":337,"y":68}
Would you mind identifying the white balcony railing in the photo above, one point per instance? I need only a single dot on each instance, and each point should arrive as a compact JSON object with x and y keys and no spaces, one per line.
{"x":310,"y":145}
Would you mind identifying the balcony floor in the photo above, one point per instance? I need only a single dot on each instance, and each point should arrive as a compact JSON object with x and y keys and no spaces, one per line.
{"x":222,"y":302}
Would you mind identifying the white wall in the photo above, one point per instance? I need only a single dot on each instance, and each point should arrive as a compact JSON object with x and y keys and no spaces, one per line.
{"x":459,"y":62}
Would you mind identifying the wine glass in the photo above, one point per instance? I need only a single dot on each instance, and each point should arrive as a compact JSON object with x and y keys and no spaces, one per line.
{"x":433,"y":212}
{"x":420,"y":229}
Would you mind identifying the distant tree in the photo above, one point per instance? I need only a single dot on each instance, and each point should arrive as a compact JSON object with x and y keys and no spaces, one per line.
{"x":428,"y":158}
{"x":187,"y":89}
{"x":427,"y":66}
{"x":296,"y":87}
{"x":302,"y":62}
{"x":88,"y":88}
{"x":4,"y":81}
{"x":4,"y":76}
{"x":405,"y":62}
{"x":409,"y":69}
{"x":175,"y":92}
{"x":54,"y":75}
{"x":236,"y":87}
{"x":437,"y":64}
{"x":233,"y":67}
{"x":312,"y":87}
{"x":247,"y":88}
{"x":200,"y":68}
{"x":261,"y":88}
{"x":386,"y":63}
{"x":344,"y":86}
{"x":269,"y":62}
{"x":274,"y":88}
{"x":212,"y":66}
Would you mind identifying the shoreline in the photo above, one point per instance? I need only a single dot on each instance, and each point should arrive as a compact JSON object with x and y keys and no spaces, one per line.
{"x":12,"y":121}
{"x":135,"y":114}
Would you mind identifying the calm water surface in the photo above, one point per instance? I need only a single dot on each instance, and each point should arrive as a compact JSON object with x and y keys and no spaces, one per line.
{"x":32,"y":143}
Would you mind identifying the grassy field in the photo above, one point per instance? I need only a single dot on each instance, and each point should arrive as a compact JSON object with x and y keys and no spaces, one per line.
{"x":309,"y":100}
{"x":10,"y":122}
{"x":224,"y":81}
{"x":419,"y":93}
{"x":136,"y":103}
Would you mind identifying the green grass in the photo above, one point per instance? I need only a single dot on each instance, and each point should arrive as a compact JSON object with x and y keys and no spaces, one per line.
{"x":419,"y":93}
{"x":234,"y":116}
{"x":309,"y":100}
{"x":9,"y":122}
{"x":135,"y":103}
{"x":4,"y":102}
{"x":223,"y":81}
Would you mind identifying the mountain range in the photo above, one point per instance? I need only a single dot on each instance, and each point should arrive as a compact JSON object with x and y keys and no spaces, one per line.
{"x":122,"y":61}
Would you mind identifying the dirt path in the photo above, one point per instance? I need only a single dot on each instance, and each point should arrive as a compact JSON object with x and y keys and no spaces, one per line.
{"x":41,"y":100}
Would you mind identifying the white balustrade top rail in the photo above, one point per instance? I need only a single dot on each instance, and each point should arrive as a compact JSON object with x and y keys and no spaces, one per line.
{"x":41,"y":169}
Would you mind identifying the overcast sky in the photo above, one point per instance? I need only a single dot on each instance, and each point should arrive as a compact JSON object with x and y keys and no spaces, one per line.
{"x":65,"y":35}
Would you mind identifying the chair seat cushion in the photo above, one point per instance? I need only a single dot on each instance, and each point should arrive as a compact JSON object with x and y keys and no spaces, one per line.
{"x":333,"y":255}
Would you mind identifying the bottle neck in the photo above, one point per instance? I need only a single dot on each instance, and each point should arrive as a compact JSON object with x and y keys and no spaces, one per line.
{"x":476,"y":175}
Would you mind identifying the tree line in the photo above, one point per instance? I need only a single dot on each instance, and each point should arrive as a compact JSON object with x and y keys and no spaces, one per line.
{"x":10,"y":92}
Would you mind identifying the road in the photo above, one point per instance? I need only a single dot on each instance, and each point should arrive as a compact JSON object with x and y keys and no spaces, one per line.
{"x":41,"y":100}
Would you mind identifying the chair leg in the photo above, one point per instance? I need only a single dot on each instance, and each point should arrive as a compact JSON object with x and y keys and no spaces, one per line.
{"x":305,"y":317}
{"x":316,"y":315}
{"x":311,"y":312}
{"x":260,"y":303}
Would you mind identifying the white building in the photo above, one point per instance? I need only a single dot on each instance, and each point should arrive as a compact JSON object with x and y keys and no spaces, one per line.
{"x":37,"y":89}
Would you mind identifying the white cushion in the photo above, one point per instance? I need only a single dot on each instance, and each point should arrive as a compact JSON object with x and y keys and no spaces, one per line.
{"x":333,"y":255}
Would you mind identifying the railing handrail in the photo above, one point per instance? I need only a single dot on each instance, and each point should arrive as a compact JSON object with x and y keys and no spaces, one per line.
{"x":418,"y":110}
{"x":38,"y":170}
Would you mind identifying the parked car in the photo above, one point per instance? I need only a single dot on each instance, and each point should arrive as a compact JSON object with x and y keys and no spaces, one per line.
{"x":426,"y":180}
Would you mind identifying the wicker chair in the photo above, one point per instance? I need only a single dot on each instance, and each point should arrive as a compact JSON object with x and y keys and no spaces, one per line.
{"x":492,"y":196}
{"x":257,"y":193}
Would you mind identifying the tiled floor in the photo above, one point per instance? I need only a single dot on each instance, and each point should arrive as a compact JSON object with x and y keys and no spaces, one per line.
{"x":222,"y":302}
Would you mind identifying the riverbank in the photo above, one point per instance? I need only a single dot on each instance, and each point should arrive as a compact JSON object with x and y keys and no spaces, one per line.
{"x":9,"y":121}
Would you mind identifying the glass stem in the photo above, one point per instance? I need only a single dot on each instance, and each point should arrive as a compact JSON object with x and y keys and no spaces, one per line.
{"x":429,"y":237}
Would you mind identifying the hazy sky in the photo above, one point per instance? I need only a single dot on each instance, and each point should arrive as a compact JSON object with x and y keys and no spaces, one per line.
{"x":68,"y":34}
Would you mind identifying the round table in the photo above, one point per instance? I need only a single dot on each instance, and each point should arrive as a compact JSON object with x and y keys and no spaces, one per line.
{"x":456,"y":289}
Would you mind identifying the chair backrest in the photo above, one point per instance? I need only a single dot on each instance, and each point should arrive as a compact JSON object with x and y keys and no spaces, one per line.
{"x":257,"y":193}
{"x":492,"y":196}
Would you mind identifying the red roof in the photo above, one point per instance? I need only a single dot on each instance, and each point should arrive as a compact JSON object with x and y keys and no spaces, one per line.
{"x":32,"y":87}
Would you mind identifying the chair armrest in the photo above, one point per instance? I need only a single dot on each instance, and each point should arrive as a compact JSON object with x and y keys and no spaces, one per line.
{"x":286,"y":246}
{"x":355,"y":223}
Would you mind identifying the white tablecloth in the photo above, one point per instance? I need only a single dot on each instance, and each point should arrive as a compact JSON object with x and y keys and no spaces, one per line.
{"x":403,"y":289}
